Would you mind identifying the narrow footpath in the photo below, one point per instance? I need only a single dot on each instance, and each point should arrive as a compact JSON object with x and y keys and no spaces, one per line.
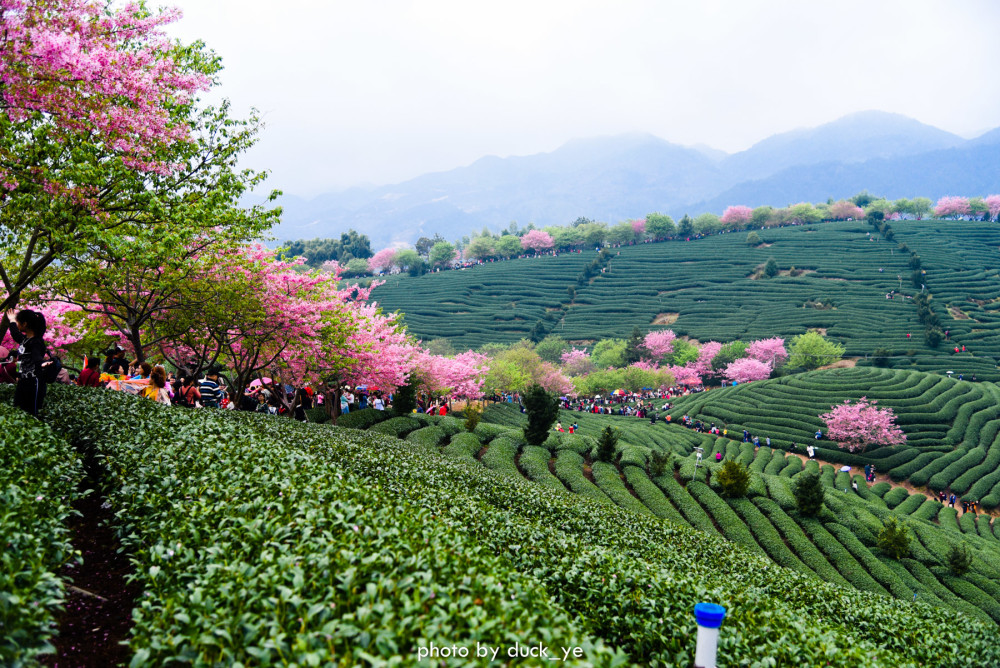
{"x":98,"y":614}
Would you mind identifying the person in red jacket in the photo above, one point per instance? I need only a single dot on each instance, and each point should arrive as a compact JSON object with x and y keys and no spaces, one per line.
{"x":91,"y":375}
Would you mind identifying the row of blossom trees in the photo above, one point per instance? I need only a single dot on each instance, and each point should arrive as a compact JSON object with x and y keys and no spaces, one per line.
{"x":121,"y":215}
{"x":657,"y":227}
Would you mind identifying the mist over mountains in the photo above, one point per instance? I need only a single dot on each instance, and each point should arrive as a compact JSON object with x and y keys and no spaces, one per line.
{"x":627,"y":176}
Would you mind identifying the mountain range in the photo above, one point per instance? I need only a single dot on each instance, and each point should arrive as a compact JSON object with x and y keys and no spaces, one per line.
{"x":628,"y":176}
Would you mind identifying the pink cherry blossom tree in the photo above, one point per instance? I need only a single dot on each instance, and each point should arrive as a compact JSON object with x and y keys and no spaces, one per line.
{"x":639,"y":227}
{"x":771,"y":351}
{"x":702,"y":366}
{"x":659,"y":343}
{"x":952,"y":206}
{"x":734,"y":216}
{"x":855,"y":426}
{"x":62,"y":330}
{"x":109,"y":74}
{"x":461,"y":376}
{"x":745,"y":370}
{"x":844,"y":209}
{"x":537,"y":241}
{"x":993,"y":206}
{"x":577,"y":362}
{"x":382,"y":260}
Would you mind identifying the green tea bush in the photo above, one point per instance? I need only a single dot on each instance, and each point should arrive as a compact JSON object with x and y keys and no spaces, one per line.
{"x":427,"y":437}
{"x":465,"y":446}
{"x":534,"y":463}
{"x":895,"y":496}
{"x":259,"y":525}
{"x":486,"y":432}
{"x":398,"y":427}
{"x":729,"y":522}
{"x":607,"y":478}
{"x":363,"y":419}
{"x":39,"y":475}
{"x":651,"y":495}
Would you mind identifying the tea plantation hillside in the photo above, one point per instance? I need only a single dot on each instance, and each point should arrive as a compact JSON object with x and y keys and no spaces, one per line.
{"x":838,"y":546}
{"x":703,"y":289}
{"x":952,"y":426}
{"x":260,"y":540}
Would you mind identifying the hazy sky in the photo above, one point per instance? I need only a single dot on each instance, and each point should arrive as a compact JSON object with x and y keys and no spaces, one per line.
{"x":377,"y":92}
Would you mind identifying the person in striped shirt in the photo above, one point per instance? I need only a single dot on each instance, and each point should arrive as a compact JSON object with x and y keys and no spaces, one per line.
{"x":211,"y":393}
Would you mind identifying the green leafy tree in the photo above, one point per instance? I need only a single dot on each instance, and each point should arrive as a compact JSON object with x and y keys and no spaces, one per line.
{"x":729,"y":353}
{"x":685,"y":228}
{"x":441,"y":254}
{"x":933,"y":336}
{"x":473,"y":414}
{"x":417,"y":267}
{"x":424,"y":245}
{"x":537,"y":332}
{"x":863,"y":199}
{"x":684,"y":352}
{"x":508,"y":246}
{"x":733,"y":479}
{"x":707,"y":223}
{"x":542,"y":409}
{"x":920,"y":207}
{"x":894,"y":539}
{"x":441,"y":347}
{"x":761,"y":216}
{"x":959,"y":559}
{"x":405,"y":259}
{"x":609,"y":353}
{"x":659,"y":226}
{"x":404,"y":399}
{"x":633,"y":347}
{"x":812,"y":350}
{"x":482,"y":248}
{"x":771,"y":268}
{"x":551,"y":348}
{"x":356,"y":267}
{"x":607,"y":445}
{"x":881,"y":357}
{"x":753,"y":239}
{"x":658,"y":462}
{"x":809,"y":494}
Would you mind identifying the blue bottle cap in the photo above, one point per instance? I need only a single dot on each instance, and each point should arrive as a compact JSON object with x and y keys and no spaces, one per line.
{"x":709,"y":615}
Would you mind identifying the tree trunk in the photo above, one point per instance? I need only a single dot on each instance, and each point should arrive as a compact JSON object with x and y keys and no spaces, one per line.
{"x":135,"y":338}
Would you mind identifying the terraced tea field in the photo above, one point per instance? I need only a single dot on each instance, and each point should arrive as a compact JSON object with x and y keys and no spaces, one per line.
{"x":951,"y":426}
{"x":703,"y":289}
{"x":262,"y":540}
{"x":840,"y":545}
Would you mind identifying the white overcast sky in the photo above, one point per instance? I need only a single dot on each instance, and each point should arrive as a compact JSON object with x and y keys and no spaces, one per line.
{"x":374,"y":92}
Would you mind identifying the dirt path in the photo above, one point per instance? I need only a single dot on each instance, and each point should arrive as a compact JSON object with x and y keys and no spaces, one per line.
{"x":99,"y":602}
{"x":912,"y":489}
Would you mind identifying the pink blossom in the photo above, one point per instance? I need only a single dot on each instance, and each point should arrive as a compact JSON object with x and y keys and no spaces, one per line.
{"x":462,"y":375}
{"x":992,"y":203}
{"x":856,"y":426}
{"x":952,"y":206}
{"x":771,"y":351}
{"x":745,"y":370}
{"x":659,"y":343}
{"x":106,"y":74}
{"x":382,"y":260}
{"x":639,"y":227}
{"x":737,"y":215}
{"x":536,"y":240}
{"x":577,"y":362}
{"x":703,"y":365}
{"x":843,"y":210}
